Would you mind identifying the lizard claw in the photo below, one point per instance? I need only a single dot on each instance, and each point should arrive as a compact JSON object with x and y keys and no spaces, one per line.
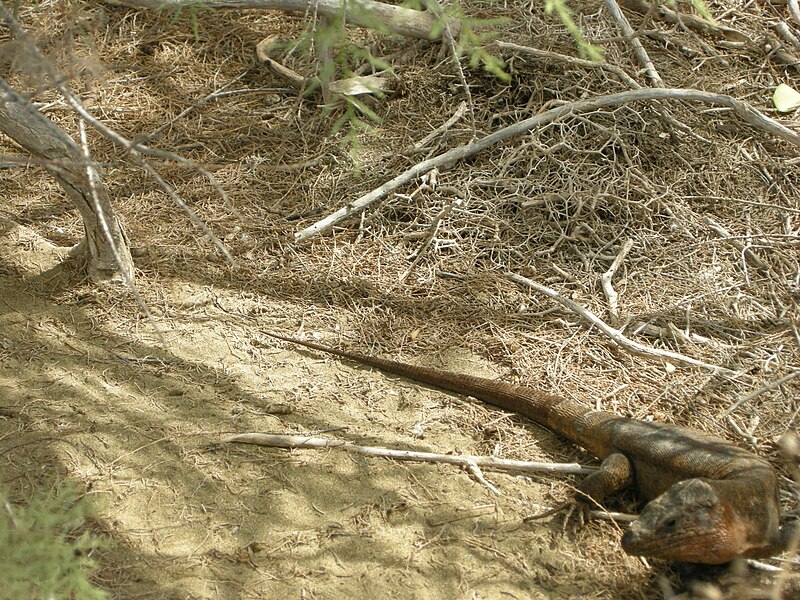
{"x":577,"y":513}
{"x":574,"y":511}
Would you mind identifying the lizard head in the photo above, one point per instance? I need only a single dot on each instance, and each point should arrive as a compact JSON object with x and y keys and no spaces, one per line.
{"x":689,"y":523}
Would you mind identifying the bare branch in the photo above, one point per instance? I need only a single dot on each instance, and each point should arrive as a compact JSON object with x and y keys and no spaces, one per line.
{"x":635,"y":42}
{"x":748,"y":254}
{"x":744,"y":111}
{"x":770,"y":386}
{"x":478,"y":474}
{"x":462,"y":108}
{"x":608,"y":290}
{"x":693,"y":21}
{"x":616,"y":335}
{"x":794,"y":10}
{"x":124,"y":263}
{"x":61,"y":157}
{"x":364,"y":13}
{"x":133,"y":148}
{"x":572,"y":60}
{"x":296,"y":441}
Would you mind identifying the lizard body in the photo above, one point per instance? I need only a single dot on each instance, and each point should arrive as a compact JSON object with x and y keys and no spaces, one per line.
{"x":708,"y":500}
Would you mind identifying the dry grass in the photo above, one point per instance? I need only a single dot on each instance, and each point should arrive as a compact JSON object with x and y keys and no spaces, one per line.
{"x":555,"y":205}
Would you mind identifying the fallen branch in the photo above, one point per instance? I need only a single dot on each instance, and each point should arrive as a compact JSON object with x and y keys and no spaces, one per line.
{"x":462,"y":108}
{"x":635,"y":42}
{"x":744,"y":111}
{"x":469,"y":462}
{"x":671,"y":332}
{"x":746,"y":252}
{"x":794,"y":10}
{"x":692,"y":21}
{"x":364,"y":13}
{"x":730,"y":37}
{"x":785,"y":32}
{"x":616,"y":335}
{"x":608,"y":289}
{"x":571,"y":60}
{"x":758,"y":392}
{"x":297,"y":82}
{"x":476,"y":472}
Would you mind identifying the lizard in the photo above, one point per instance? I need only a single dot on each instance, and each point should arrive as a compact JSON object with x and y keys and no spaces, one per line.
{"x":708,"y":501}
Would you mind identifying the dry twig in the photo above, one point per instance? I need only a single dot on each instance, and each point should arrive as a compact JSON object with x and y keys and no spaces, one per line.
{"x":741,"y":109}
{"x":785,"y":32}
{"x":635,"y":42}
{"x":572,"y":60}
{"x":616,"y":335}
{"x":608,"y":290}
{"x":794,"y":10}
{"x":462,"y":108}
{"x":296,"y":441}
{"x":770,"y":386}
{"x":747,"y":253}
{"x":694,"y":22}
{"x":366,"y":13}
{"x":430,"y":236}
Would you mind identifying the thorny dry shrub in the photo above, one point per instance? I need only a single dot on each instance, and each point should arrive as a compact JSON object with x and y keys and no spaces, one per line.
{"x":423,"y":271}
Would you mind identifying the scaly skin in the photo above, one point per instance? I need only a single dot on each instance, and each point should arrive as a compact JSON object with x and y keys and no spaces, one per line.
{"x":709,"y":501}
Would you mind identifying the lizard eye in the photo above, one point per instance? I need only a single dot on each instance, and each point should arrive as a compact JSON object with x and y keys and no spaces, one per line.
{"x":669,"y":525}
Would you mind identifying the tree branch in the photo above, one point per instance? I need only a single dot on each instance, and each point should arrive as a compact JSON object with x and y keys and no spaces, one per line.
{"x":616,"y":335}
{"x":365,"y":13}
{"x":296,"y":441}
{"x":635,"y":42}
{"x":744,"y":111}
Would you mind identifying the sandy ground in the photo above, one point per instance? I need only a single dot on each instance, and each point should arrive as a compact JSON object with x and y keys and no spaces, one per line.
{"x":92,"y":392}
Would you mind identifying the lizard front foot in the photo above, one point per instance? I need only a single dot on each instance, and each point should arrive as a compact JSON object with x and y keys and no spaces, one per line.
{"x":575,"y":512}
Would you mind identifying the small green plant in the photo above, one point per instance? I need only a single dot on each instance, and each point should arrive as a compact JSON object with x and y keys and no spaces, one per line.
{"x":331,"y":40}
{"x":352,"y":120}
{"x":40,"y":557}
{"x":191,"y":9}
{"x":564,"y":12}
{"x":472,"y":45}
{"x":469,"y":42}
{"x":701,"y":7}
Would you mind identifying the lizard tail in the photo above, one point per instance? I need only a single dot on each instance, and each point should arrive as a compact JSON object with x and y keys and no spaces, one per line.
{"x":558,"y":414}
